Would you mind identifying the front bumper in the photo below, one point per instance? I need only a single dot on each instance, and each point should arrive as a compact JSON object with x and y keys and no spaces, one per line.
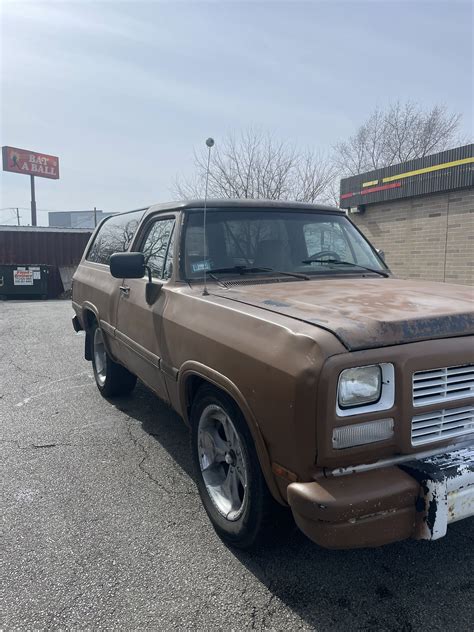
{"x":447,"y":483}
{"x":417,"y":499}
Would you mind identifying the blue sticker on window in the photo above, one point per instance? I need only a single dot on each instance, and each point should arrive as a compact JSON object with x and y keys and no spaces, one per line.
{"x":200,"y":266}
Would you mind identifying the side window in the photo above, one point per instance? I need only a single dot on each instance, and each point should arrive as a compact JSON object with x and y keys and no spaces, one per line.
{"x":158,"y":242}
{"x":115,"y":235}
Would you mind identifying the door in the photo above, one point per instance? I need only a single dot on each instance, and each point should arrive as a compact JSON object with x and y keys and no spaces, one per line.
{"x":138,"y":323}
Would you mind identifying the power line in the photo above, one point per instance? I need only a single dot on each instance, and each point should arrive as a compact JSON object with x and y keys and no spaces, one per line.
{"x":11,"y":210}
{"x":15,"y":217}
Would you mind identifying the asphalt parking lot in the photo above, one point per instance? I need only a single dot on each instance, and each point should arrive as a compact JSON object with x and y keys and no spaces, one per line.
{"x":103,"y":527}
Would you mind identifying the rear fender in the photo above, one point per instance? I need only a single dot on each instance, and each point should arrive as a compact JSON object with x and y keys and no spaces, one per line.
{"x":88,"y":312}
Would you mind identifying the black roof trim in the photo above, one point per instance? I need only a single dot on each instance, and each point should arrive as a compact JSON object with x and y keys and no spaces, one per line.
{"x":198,"y":204}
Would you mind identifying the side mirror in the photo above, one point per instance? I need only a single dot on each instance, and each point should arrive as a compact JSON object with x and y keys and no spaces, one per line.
{"x":380,"y":253}
{"x":127,"y":265}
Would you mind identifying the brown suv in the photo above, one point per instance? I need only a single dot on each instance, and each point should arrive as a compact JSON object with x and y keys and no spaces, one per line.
{"x":309,"y":375}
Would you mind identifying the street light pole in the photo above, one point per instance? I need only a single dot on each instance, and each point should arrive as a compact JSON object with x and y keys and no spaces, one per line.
{"x":33,"y":201}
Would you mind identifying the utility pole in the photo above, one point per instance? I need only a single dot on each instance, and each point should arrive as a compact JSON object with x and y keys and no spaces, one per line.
{"x":95,"y":216}
{"x":18,"y":215}
{"x":33,"y":201}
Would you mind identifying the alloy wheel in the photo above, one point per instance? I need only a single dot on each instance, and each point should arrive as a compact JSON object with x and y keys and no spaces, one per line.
{"x":222,"y":462}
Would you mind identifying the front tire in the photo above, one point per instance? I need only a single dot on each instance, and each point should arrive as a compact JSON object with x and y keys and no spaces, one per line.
{"x":227,"y":471}
{"x":112,"y":379}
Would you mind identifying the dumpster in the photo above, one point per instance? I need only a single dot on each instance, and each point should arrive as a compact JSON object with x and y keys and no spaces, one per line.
{"x":47,"y":249}
{"x":24,"y":281}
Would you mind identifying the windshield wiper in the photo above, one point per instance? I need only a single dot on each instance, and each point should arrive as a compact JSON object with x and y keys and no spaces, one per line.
{"x":253,"y":269}
{"x":337,"y":262}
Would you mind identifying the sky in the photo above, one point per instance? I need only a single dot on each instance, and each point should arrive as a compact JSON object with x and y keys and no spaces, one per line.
{"x":123,"y":92}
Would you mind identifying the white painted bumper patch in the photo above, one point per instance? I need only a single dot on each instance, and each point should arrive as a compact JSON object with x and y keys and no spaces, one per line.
{"x":446,"y":491}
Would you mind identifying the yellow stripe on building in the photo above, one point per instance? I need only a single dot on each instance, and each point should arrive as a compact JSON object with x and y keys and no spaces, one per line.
{"x":417,"y":172}
{"x":370,"y":183}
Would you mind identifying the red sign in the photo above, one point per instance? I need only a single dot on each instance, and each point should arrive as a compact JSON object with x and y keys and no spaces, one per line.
{"x":30,"y":163}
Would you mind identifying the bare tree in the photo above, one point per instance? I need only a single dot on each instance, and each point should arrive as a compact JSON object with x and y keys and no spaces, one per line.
{"x":401,"y":132}
{"x":255,"y":165}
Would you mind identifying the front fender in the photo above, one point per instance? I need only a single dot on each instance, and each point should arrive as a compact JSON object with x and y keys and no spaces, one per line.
{"x":192,"y":368}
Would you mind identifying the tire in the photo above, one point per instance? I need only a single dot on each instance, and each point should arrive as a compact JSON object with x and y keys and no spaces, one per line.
{"x":228,"y":474}
{"x":112,"y":379}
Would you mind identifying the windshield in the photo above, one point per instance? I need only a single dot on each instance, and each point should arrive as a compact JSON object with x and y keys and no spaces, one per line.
{"x":281,"y":240}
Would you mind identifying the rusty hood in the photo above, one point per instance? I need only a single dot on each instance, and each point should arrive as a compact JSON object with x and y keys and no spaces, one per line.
{"x":364,"y":313}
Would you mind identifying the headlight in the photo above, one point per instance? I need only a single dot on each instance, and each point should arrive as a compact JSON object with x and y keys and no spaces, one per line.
{"x":360,"y":385}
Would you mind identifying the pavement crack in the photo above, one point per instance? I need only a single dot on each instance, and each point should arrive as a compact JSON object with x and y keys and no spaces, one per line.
{"x":23,"y":370}
{"x":14,"y":441}
{"x":253,"y":615}
{"x":141,"y":464}
{"x":142,"y":468}
{"x":57,"y":615}
{"x":267,"y":614}
{"x":35,"y":446}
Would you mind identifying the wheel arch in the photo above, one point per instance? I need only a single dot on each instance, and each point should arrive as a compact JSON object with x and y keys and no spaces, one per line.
{"x":191,"y":376}
{"x":90,"y":315}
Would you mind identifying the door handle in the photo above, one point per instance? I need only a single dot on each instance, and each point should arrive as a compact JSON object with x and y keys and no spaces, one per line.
{"x":125,"y":290}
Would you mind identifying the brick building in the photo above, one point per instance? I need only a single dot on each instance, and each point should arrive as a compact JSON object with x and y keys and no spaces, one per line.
{"x":420,"y":213}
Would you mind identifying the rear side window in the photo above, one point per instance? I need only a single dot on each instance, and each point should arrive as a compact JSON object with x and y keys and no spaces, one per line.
{"x":115,"y":235}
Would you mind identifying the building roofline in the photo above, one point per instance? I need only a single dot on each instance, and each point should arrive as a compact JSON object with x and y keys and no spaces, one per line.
{"x":43,"y":229}
{"x":444,"y":171}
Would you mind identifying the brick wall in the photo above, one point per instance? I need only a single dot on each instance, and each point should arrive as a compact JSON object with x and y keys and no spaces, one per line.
{"x":428,"y":237}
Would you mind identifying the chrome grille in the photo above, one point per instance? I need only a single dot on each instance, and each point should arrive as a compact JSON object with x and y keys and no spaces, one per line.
{"x":442,"y":424}
{"x":443,"y":385}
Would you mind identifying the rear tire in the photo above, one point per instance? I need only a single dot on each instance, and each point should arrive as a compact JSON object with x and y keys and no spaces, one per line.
{"x":112,"y":379}
{"x":228,"y":474}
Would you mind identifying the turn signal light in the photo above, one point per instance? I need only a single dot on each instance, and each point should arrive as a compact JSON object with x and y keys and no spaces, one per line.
{"x":360,"y":434}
